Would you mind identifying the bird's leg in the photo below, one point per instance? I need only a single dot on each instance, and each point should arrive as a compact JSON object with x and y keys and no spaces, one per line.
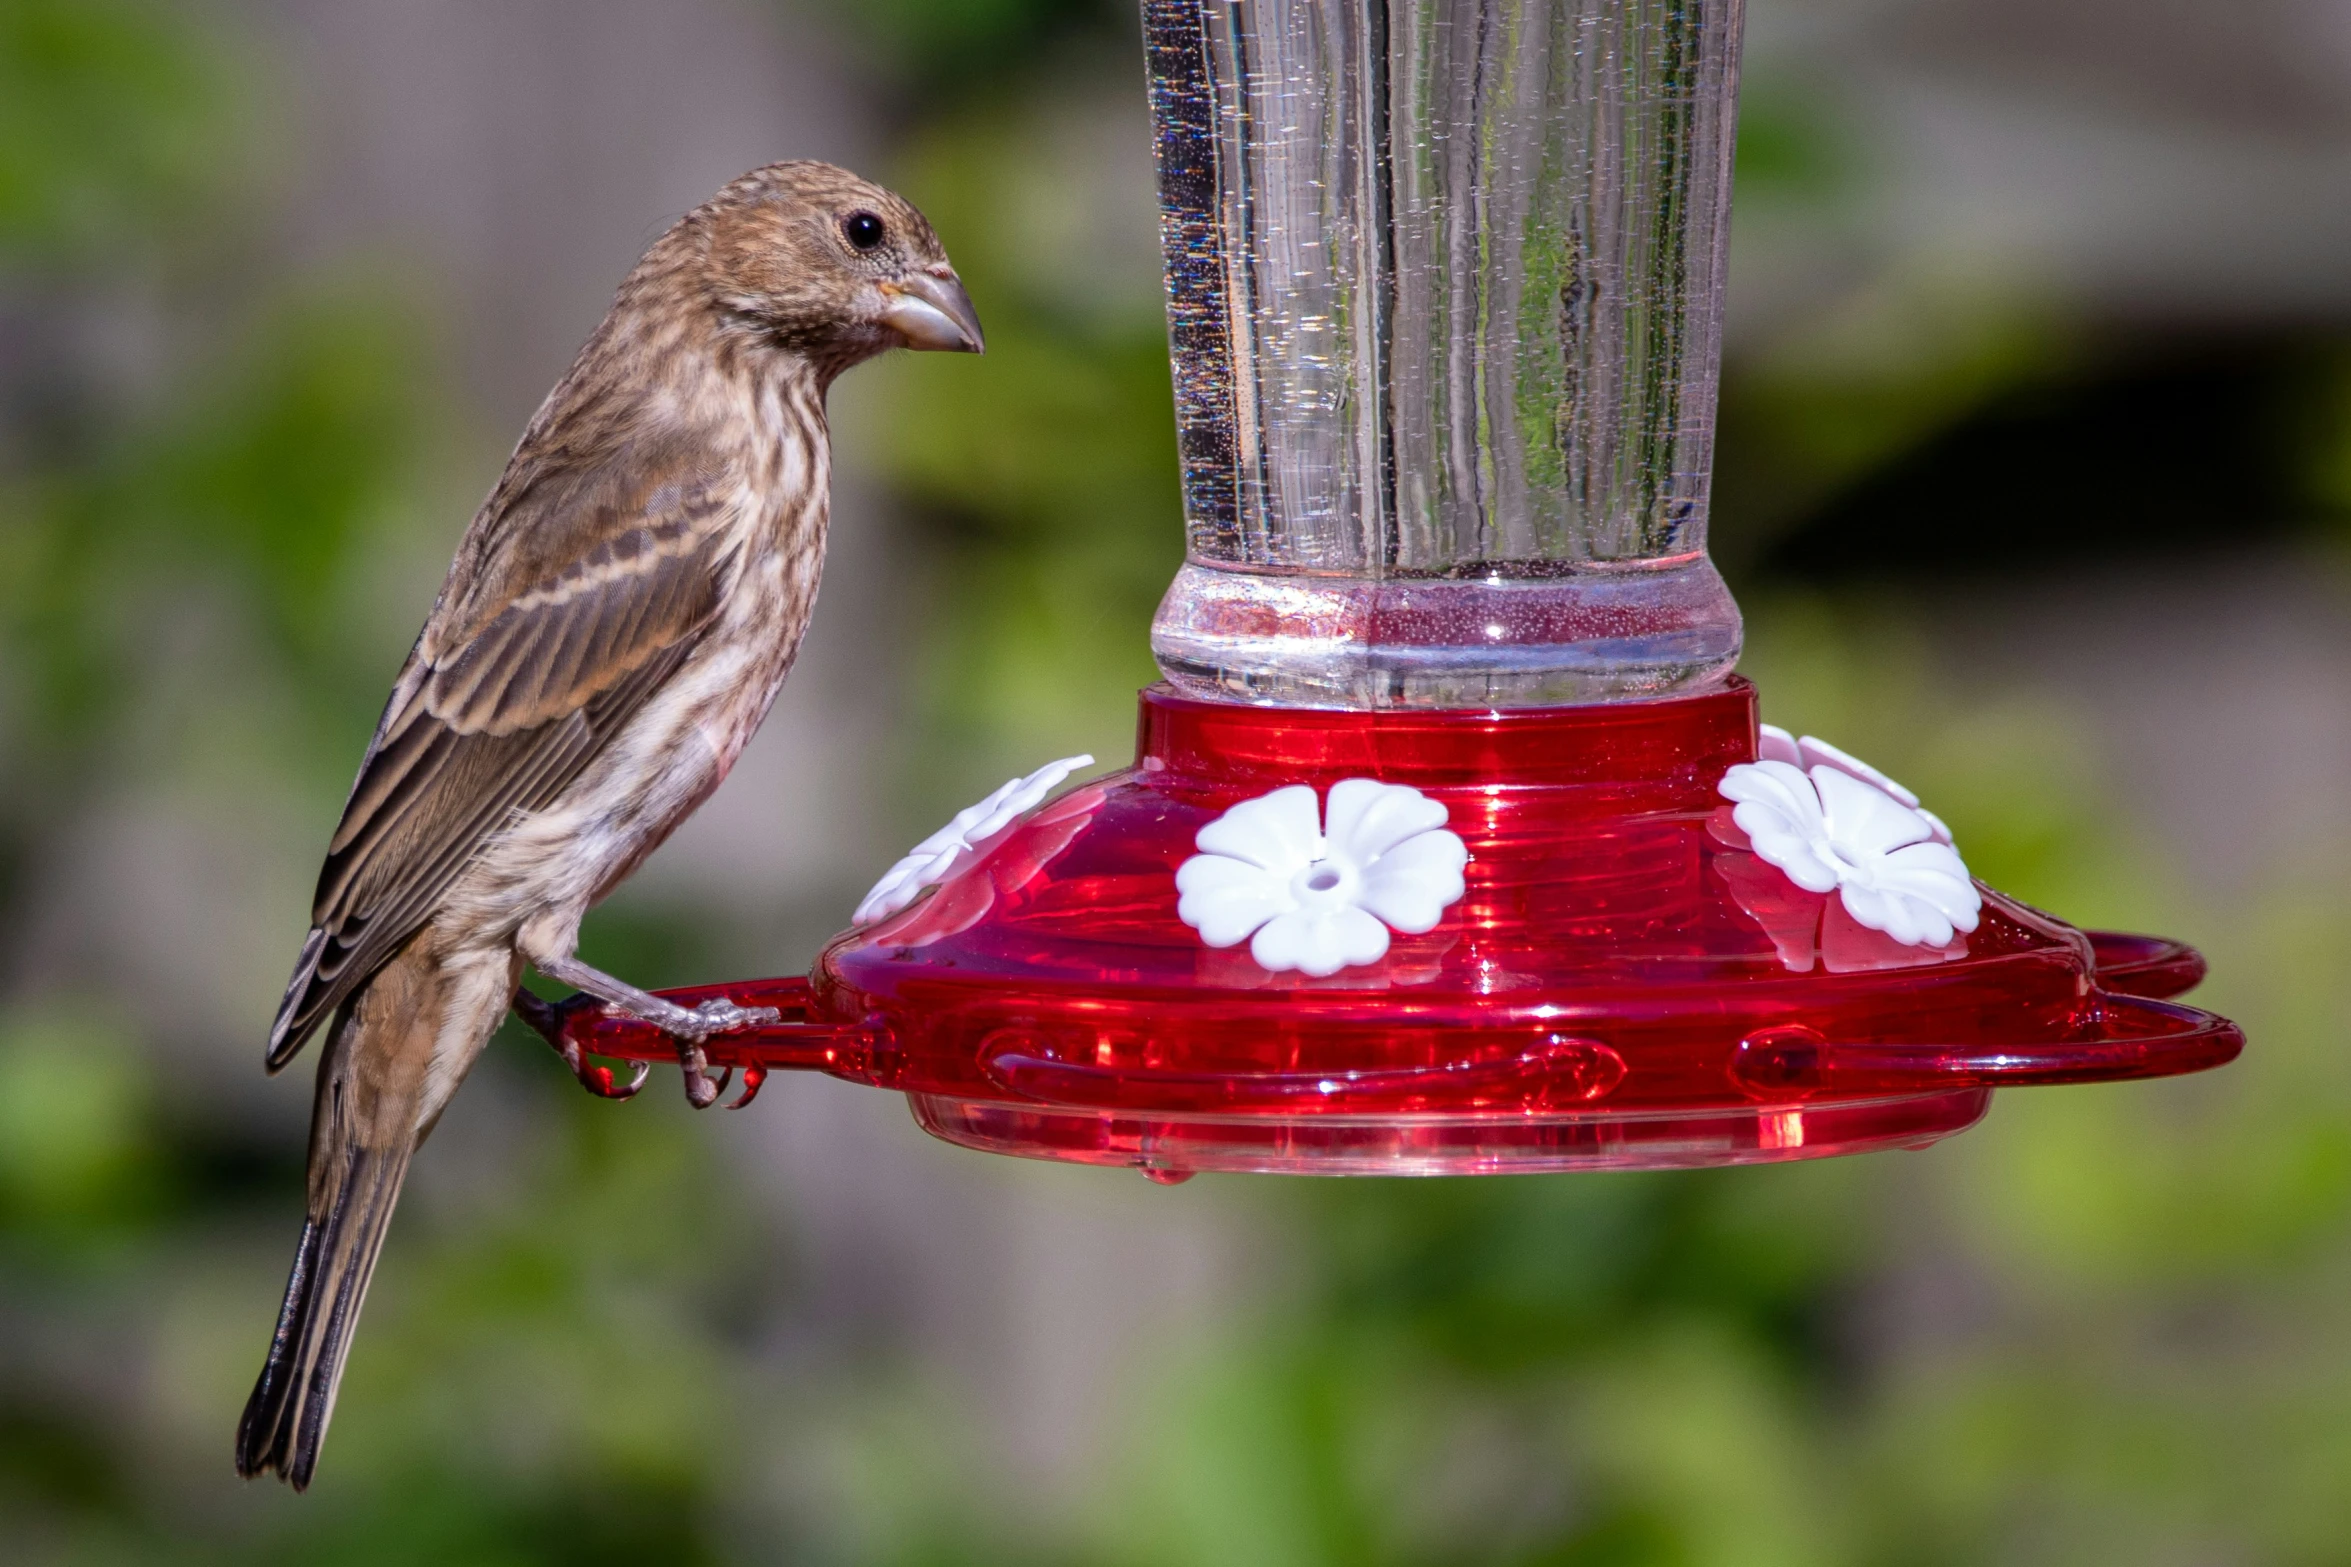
{"x":688,"y":1026}
{"x":545,"y":1018}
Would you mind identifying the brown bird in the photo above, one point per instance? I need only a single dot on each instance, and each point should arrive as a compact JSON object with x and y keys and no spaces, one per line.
{"x":616,"y":624}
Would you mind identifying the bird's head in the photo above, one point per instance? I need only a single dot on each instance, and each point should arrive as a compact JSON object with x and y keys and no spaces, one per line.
{"x":832,"y":266}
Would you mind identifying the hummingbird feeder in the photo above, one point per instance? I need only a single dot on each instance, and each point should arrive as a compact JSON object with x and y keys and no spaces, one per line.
{"x":1452,"y":844}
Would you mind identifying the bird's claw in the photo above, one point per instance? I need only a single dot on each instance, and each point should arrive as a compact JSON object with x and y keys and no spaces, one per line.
{"x":718,"y":1016}
{"x":597,"y":1080}
{"x":702,"y":1090}
{"x":753,"y":1077}
{"x":547,"y":1018}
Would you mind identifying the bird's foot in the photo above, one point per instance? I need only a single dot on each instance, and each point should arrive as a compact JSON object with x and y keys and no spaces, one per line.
{"x":716,"y":1016}
{"x":546,"y":1019}
{"x":721,"y":1016}
{"x":702,"y":1090}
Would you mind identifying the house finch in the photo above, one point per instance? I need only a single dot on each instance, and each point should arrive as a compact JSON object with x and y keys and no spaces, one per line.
{"x":617,"y":622}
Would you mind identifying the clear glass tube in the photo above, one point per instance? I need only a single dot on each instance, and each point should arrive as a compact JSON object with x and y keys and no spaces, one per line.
{"x":1444,"y":295}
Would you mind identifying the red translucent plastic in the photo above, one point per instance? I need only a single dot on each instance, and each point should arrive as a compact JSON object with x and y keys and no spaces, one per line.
{"x":1623,"y":984}
{"x":2145,"y":965}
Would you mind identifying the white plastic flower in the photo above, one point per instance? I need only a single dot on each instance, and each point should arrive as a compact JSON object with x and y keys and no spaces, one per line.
{"x":1835,"y":824}
{"x":1812,"y":751}
{"x":932,"y":860}
{"x":1321,"y":896}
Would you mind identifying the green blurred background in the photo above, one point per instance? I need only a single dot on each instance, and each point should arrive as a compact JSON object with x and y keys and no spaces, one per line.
{"x":2036,"y":454}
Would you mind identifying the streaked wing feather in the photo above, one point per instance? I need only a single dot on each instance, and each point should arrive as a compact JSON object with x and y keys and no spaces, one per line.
{"x":500,"y":724}
{"x":539,"y":775}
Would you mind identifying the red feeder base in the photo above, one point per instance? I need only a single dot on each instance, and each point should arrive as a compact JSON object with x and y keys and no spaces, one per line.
{"x":1623,"y":985}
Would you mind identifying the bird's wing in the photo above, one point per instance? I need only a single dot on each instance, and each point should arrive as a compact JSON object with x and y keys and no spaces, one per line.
{"x":513,"y":689}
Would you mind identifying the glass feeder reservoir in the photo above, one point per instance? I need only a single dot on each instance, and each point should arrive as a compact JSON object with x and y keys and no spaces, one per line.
{"x":1445,"y":292}
{"x":1452,"y":844}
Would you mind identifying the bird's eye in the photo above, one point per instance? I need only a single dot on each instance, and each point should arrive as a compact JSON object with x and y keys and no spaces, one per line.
{"x":863,"y":229}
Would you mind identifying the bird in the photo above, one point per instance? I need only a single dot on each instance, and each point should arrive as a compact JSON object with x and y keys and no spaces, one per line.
{"x":619,"y":617}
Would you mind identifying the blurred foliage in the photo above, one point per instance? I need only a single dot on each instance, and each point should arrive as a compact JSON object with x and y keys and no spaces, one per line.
{"x":75,"y":1128}
{"x":2105,"y":1327}
{"x":77,"y":171}
{"x":957,"y":48}
{"x":1805,"y":425}
{"x":261,"y":491}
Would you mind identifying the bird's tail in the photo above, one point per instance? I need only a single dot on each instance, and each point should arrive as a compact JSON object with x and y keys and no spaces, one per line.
{"x":363,"y":1128}
{"x":286,"y":1418}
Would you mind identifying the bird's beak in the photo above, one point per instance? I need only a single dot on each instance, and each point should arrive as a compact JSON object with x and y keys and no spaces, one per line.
{"x":931,"y":310}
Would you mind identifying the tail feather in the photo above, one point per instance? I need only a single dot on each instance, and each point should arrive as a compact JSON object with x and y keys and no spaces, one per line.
{"x":286,"y":1418}
{"x":265,"y":1410}
{"x":365,"y":1123}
